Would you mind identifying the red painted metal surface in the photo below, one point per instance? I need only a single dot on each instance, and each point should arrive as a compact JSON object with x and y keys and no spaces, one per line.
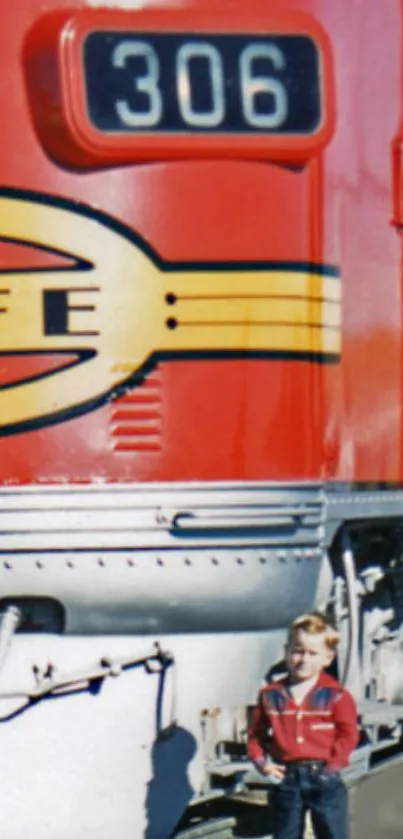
{"x":236,"y":418}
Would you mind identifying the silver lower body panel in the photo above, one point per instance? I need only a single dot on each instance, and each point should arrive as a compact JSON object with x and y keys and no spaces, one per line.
{"x":162,"y":558}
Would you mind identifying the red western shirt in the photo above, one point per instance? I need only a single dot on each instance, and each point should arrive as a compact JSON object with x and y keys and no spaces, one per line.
{"x":323,"y":727}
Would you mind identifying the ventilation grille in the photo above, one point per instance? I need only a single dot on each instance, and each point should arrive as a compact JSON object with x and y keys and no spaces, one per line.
{"x":137,"y":417}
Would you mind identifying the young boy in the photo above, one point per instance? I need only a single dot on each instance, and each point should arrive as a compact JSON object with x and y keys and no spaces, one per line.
{"x":302,"y":734}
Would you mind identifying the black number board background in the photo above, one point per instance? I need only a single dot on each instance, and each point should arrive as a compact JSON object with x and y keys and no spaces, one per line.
{"x":105,"y":84}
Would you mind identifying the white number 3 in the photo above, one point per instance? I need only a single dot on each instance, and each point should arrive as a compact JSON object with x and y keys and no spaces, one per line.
{"x":147,"y":84}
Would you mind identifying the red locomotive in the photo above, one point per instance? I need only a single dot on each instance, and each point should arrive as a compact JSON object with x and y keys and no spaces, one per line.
{"x":200,"y":387}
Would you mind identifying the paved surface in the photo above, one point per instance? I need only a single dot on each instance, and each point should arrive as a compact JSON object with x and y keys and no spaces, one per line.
{"x":376,"y":804}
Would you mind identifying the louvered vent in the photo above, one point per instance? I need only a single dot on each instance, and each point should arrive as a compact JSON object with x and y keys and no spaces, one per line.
{"x":136,"y":418}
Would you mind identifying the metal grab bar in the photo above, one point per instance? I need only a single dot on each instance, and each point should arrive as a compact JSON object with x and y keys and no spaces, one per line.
{"x":231,"y":520}
{"x":50,"y":684}
{"x":189,"y":521}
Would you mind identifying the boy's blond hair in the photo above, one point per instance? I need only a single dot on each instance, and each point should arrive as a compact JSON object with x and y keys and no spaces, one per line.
{"x":315,"y":624}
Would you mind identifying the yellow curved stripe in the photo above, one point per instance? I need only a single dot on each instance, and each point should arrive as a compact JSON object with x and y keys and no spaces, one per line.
{"x":127,"y":309}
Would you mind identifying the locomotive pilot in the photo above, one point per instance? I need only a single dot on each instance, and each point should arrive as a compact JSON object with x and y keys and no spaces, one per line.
{"x":302,"y":734}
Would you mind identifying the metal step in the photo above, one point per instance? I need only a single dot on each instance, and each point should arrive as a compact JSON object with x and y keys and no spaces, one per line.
{"x":211,"y":829}
{"x":249,"y":776}
{"x":380,"y":713}
{"x":228,"y":768}
{"x":385,"y":743}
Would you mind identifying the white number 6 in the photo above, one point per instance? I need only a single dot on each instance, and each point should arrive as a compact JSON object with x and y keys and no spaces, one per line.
{"x":252,"y":85}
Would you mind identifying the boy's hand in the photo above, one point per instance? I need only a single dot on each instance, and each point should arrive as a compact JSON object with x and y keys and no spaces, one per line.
{"x":275,"y":770}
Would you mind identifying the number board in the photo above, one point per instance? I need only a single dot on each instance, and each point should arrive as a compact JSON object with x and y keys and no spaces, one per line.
{"x":118,"y":87}
{"x":224,"y":83}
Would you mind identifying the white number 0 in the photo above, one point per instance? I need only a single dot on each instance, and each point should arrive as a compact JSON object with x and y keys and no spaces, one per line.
{"x":147,"y":84}
{"x":252,"y":85}
{"x":215,"y":70}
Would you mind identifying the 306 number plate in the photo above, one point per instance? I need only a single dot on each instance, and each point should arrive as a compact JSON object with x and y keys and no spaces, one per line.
{"x":174,"y":83}
{"x":109,"y":88}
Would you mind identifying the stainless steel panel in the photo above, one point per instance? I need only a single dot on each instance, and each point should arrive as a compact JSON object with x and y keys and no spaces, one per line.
{"x":160,"y":515}
{"x":169,"y":591}
{"x":164,"y":558}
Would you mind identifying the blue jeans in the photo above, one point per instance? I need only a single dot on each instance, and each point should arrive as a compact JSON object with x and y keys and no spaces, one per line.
{"x":309,"y":788}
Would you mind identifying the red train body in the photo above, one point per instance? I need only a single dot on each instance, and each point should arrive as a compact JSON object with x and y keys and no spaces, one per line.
{"x":298,"y":413}
{"x":200,"y":389}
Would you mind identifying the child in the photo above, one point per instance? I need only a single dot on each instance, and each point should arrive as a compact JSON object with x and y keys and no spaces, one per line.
{"x":302,"y":734}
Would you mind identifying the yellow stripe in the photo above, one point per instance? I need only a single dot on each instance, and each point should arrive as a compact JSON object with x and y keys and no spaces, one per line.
{"x":249,"y":284}
{"x":253,"y":337}
{"x":258,"y":311}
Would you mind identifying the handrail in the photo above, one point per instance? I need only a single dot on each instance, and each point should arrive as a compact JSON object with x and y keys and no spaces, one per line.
{"x":50,"y":684}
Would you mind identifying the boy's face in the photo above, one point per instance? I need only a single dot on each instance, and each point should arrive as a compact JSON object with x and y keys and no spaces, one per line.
{"x":306,"y":655}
